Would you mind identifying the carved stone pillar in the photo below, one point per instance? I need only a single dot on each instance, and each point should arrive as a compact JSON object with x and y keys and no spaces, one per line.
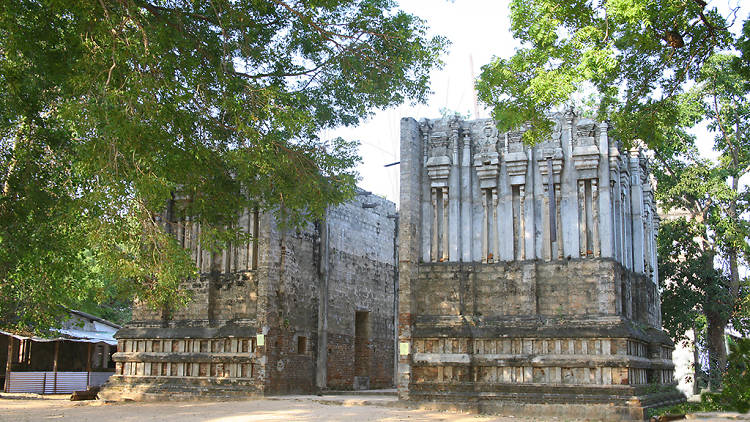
{"x":521,"y":254}
{"x":485,"y":213}
{"x":487,"y":164}
{"x":550,"y":162}
{"x":434,"y":244}
{"x":558,"y":208}
{"x":438,"y":170}
{"x":582,"y":241}
{"x":452,"y":198}
{"x":466,"y":229}
{"x":636,"y":199}
{"x":627,"y":219}
{"x":604,"y":239}
{"x":516,"y":161}
{"x":446,"y":201}
{"x":596,"y":241}
{"x":495,"y":236}
{"x":615,"y":198}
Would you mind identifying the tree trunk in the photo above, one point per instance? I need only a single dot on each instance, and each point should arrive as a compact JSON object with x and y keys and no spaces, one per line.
{"x":698,"y":374}
{"x":717,"y":351}
{"x":734,"y":273}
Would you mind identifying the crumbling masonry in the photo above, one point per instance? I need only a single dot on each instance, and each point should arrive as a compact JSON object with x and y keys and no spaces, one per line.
{"x":290,"y":312}
{"x":528,"y":279}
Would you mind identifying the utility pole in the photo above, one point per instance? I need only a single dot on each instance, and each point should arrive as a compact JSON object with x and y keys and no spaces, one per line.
{"x":473,"y":88}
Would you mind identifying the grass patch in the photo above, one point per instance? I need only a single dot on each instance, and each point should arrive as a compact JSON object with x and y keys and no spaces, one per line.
{"x":685,"y":408}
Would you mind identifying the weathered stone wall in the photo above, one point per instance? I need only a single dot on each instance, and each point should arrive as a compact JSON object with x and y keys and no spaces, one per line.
{"x":290,"y":308}
{"x":554,"y":334}
{"x":361,"y":268}
{"x":271,"y":316}
{"x":566,"y":288}
{"x":498,"y":308}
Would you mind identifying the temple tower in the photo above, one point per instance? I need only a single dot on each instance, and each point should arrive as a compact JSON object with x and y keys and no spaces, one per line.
{"x":527,"y":275}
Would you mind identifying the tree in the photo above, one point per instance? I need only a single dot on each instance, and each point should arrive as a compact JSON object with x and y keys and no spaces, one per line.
{"x":657,"y":69}
{"x":635,"y":55}
{"x":700,"y":257}
{"x":115,"y":108}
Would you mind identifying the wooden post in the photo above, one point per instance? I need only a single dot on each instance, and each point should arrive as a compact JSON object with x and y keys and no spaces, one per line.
{"x":8,"y":364}
{"x":88,"y":366}
{"x":54,"y":367}
{"x":28,"y":353}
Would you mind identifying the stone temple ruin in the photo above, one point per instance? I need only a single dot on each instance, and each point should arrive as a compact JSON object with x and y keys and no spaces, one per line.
{"x":525,"y":283}
{"x":527,"y":275}
{"x":290,"y":312}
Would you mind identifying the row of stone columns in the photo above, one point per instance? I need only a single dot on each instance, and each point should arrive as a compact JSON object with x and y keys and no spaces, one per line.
{"x":600,"y":204}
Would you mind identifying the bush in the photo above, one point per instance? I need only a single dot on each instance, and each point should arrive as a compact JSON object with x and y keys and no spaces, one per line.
{"x":684,"y":408}
{"x":735,"y":392}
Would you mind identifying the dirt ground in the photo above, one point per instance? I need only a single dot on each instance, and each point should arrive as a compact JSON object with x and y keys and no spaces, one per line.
{"x":19,"y":408}
{"x":31,"y":407}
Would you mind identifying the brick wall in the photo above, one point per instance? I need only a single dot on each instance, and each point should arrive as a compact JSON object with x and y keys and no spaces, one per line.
{"x":361,"y":279}
{"x":275,"y":289}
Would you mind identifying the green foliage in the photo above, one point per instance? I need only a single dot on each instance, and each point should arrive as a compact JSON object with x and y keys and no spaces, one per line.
{"x":447,"y":113}
{"x":696,"y":291}
{"x":114,"y":109}
{"x":735,"y":394}
{"x":636,"y":55}
{"x":690,"y":284}
{"x":684,"y":409}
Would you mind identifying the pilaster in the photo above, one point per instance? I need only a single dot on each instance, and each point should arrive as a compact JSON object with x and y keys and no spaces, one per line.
{"x":409,"y":230}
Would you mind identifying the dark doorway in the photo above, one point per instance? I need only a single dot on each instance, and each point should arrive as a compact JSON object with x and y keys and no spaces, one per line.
{"x":361,"y":350}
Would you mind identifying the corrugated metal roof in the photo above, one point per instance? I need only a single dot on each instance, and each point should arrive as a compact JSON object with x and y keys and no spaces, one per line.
{"x":92,"y":336}
{"x":95,"y":318}
{"x":71,"y":335}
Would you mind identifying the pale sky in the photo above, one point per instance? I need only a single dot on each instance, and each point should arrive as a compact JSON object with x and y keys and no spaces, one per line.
{"x":478,"y":30}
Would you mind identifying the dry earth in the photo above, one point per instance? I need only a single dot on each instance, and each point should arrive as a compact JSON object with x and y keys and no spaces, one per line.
{"x":19,"y":408}
{"x":28,"y":407}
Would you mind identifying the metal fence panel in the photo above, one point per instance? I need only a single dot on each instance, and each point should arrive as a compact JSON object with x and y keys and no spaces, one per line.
{"x":67,"y":382}
{"x":44,"y":382}
{"x":26,"y":382}
{"x":99,"y":378}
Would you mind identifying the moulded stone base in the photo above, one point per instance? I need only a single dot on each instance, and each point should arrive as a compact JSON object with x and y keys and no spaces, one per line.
{"x":144,"y":388}
{"x":549,"y":404}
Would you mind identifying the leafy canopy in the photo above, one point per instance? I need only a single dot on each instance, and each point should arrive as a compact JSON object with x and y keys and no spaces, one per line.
{"x":112,"y":108}
{"x":657,"y":68}
{"x":635,"y":55}
{"x":700,"y":256}
{"x":711,"y":196}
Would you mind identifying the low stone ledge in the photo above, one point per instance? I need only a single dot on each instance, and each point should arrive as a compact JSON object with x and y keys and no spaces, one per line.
{"x":185,"y":357}
{"x":168,"y":388}
{"x":182,"y":333}
{"x":479,"y":328}
{"x":537,"y":361}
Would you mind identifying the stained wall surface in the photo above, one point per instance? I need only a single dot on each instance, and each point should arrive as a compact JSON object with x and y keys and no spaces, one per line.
{"x":276,"y":315}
